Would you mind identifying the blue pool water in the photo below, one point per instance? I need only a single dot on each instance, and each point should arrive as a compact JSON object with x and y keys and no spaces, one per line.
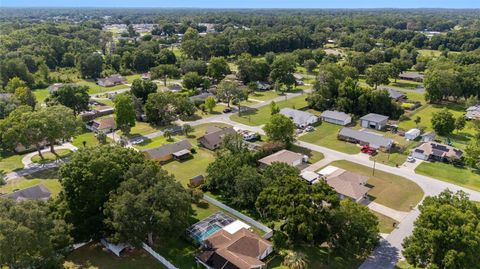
{"x":209,"y":231}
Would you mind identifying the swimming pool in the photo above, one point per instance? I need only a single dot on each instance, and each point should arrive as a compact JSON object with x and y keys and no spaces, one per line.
{"x":213,"y":228}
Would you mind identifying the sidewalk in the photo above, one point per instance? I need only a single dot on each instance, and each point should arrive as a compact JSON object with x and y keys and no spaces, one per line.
{"x":387,"y":211}
{"x":27,"y":159}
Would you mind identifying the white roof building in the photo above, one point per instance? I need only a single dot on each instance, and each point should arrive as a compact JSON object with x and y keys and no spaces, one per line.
{"x":412,"y":134}
{"x":236,"y":226}
{"x":300,"y":118}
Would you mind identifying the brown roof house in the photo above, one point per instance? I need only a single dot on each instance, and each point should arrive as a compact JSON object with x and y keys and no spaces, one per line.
{"x":179,"y":151}
{"x":437,"y":152}
{"x":105,"y":125}
{"x":284,"y":156}
{"x":347,"y":184}
{"x":111,"y":81}
{"x":240,"y":250}
{"x":213,"y":137}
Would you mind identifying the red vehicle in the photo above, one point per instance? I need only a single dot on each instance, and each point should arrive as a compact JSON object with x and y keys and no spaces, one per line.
{"x":368,"y":150}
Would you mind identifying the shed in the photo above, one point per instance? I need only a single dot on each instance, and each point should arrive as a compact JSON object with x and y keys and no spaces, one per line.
{"x":412,"y":134}
{"x":196,"y":181}
{"x":336,"y":117}
{"x":374,"y":121}
{"x":309,"y":176}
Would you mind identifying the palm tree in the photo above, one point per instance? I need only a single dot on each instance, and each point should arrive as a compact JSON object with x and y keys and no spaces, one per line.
{"x":168,"y":135}
{"x":295,"y":260}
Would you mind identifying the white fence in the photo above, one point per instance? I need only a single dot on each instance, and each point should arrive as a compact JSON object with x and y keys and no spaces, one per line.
{"x":268,"y":231}
{"x":159,"y":257}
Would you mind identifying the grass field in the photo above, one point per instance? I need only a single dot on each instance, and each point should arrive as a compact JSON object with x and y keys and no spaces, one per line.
{"x":88,"y":137}
{"x":140,"y":129}
{"x":385,"y":224}
{"x":185,"y":170}
{"x":449,"y":173}
{"x":392,"y":159}
{"x":154,"y":142}
{"x":49,"y":178}
{"x":93,"y":88}
{"x":415,"y":96}
{"x":313,"y":156}
{"x":199,"y":114}
{"x":95,"y":256}
{"x":326,"y":135}
{"x":48,"y":156}
{"x":262,"y":115}
{"x":389,"y":190}
{"x":41,"y":95}
{"x":264,"y":95}
{"x":10,"y":161}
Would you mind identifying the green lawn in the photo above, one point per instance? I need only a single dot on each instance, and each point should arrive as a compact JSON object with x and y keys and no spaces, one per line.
{"x":48,"y":156}
{"x":10,"y":161}
{"x":459,"y":139}
{"x":385,"y":224}
{"x":41,"y":95}
{"x":199,"y":131}
{"x":405,"y":265}
{"x":94,"y":88}
{"x":408,"y":84}
{"x":415,"y":96}
{"x":95,"y":256}
{"x":388,"y":189}
{"x":429,"y":53}
{"x":48,"y":177}
{"x":199,"y":114}
{"x":254,"y":117}
{"x":449,"y":173}
{"x":154,"y":142}
{"x":140,"y":129}
{"x":89,"y":137}
{"x":317,"y":258}
{"x":313,"y":156}
{"x":187,"y":169}
{"x":264,"y":95}
{"x":326,"y":135}
{"x":392,"y":159}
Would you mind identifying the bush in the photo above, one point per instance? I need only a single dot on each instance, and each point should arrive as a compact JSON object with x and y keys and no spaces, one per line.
{"x":196,"y":195}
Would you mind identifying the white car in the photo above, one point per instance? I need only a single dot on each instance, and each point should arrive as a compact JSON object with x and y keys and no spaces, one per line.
{"x":410,"y":159}
{"x":136,"y":141}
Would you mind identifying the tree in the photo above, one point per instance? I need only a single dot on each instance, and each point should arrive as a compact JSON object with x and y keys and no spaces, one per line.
{"x":24,"y":96}
{"x":91,"y":65}
{"x":187,"y":128}
{"x":218,"y":68}
{"x":417,"y":120}
{"x":248,"y":185}
{"x":460,"y":123}
{"x":59,"y":124}
{"x":164,"y":107}
{"x":228,"y":91}
{"x":310,"y":65}
{"x":164,"y":71}
{"x":222,"y":172}
{"x":168,"y":134}
{"x":166,"y":56}
{"x":471,"y":101}
{"x":274,"y":109}
{"x":446,"y":234}
{"x":192,"y":80}
{"x":30,"y":237}
{"x":295,"y":260}
{"x":282,"y":70}
{"x":443,"y":122}
{"x":378,"y":74}
{"x":270,"y":57}
{"x":210,"y":103}
{"x":354,"y":229}
{"x":72,"y":96}
{"x":124,"y":113}
{"x":88,"y":180}
{"x":142,"y":88}
{"x":149,"y":203}
{"x":15,"y":83}
{"x":143,"y":60}
{"x":280,"y":128}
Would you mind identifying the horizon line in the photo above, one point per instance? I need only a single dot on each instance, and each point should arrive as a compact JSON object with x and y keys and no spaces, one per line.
{"x":240,"y":8}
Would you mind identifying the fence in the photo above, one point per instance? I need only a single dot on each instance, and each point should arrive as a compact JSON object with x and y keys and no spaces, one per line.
{"x":159,"y":257}
{"x":268,"y":231}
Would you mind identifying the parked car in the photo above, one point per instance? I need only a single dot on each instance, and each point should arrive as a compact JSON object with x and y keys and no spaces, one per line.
{"x":309,"y":129}
{"x":136,"y":141}
{"x":410,"y":159}
{"x":368,"y":150}
{"x":227,"y":110}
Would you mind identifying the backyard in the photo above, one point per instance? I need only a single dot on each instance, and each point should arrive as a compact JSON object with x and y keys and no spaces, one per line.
{"x":325,"y":135}
{"x":49,"y":178}
{"x":88,"y":137}
{"x":388,"y":189}
{"x":259,"y":116}
{"x":185,"y":170}
{"x":10,"y":161}
{"x":447,"y":172}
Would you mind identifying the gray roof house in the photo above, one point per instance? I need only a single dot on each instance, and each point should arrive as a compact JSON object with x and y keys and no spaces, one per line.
{"x":473,"y":113}
{"x":111,"y":81}
{"x":54,"y":87}
{"x":37,"y":192}
{"x":213,"y":137}
{"x":374,"y":121}
{"x":283,"y":156}
{"x":394,"y":94}
{"x":365,"y":138}
{"x":336,"y":117}
{"x":414,"y":76}
{"x":300,"y":118}
{"x":179,"y":150}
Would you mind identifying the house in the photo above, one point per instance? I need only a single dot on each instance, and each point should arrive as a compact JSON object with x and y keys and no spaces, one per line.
{"x":413,"y":76}
{"x":301,"y":119}
{"x":429,"y":136}
{"x":111,"y":81}
{"x":173,"y":88}
{"x":105,"y":125}
{"x":200,"y":97}
{"x":178,"y":151}
{"x":263,"y":86}
{"x":336,"y":117}
{"x":374,"y":121}
{"x":347,"y":184}
{"x":145,"y":76}
{"x":213,"y":137}
{"x":333,"y":52}
{"x":394,"y":94}
{"x":242,"y":249}
{"x":103,"y":110}
{"x":412,"y":134}
{"x":309,"y":176}
{"x":365,"y":138}
{"x":284,"y":156}
{"x":37,"y":192}
{"x":473,"y":113}
{"x":437,"y":152}
{"x":117,"y":249}
{"x":54,"y":87}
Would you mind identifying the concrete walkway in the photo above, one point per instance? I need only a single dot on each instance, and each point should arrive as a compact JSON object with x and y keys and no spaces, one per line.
{"x":316,"y":166}
{"x":387,"y":211}
{"x":27,"y":159}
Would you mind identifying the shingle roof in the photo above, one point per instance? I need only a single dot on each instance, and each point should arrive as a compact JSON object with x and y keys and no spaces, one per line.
{"x":473,"y":112}
{"x":348,"y":183}
{"x":440,"y":150}
{"x":373,"y":117}
{"x":333,"y":114}
{"x":298,"y":117}
{"x":214,"y":135}
{"x":168,"y":149}
{"x":394,"y":94}
{"x":37,"y":192}
{"x":411,"y":75}
{"x":284,"y":156}
{"x":373,"y":140}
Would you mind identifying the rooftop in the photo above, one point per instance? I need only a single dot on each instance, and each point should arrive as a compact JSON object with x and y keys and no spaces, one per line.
{"x":374,"y":140}
{"x":179,"y":148}
{"x":37,"y":192}
{"x":284,"y":156}
{"x":333,"y":114}
{"x":373,"y":117}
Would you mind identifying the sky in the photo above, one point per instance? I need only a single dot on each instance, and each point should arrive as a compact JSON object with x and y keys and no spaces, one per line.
{"x":247,"y":3}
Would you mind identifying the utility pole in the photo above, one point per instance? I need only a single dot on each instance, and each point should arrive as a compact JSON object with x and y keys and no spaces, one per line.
{"x":373,"y":171}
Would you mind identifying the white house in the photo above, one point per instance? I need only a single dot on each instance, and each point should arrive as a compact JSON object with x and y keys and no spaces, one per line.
{"x":374,"y":121}
{"x":412,"y":134}
{"x":301,"y":119}
{"x":336,"y":117}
